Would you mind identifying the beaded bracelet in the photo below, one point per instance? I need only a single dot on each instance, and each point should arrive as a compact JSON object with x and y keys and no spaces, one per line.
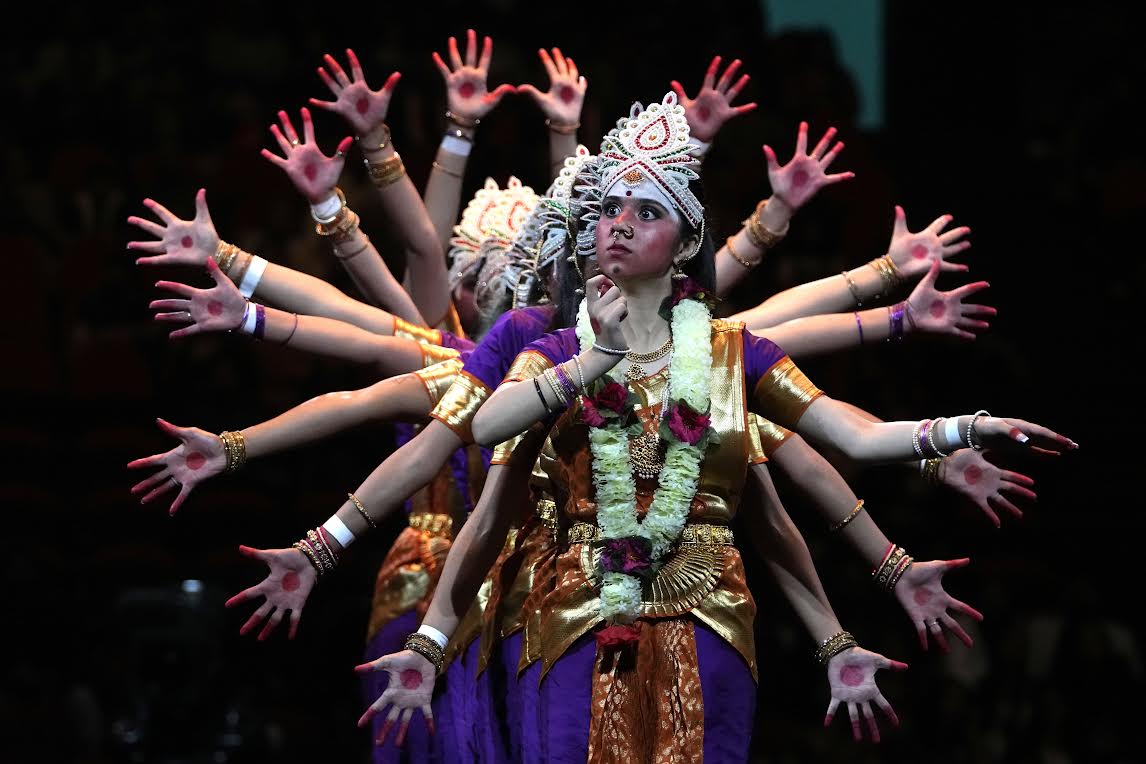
{"x":834,"y":645}
{"x":310,"y":556}
{"x":362,"y":510}
{"x":569,"y":129}
{"x":610,"y":351}
{"x":972,"y":440}
{"x":851,"y":516}
{"x":732,"y":251}
{"x":424,"y":645}
{"x":916,"y":440}
{"x":853,"y":289}
{"x":931,"y":440}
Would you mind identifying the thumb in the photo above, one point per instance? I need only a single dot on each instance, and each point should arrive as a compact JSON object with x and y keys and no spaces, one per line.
{"x":770,"y":156}
{"x":679,"y":90}
{"x":254,"y":554}
{"x":499,"y":92}
{"x":900,"y":226}
{"x":932,"y":274}
{"x":531,"y":91}
{"x":392,"y":81}
{"x":345,"y":145}
{"x":170,"y":429}
{"x":201,"y":211}
{"x":216,"y":273}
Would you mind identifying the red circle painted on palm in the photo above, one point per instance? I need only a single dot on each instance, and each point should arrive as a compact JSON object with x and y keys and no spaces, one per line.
{"x":919,"y":251}
{"x":411,"y":679}
{"x":799,"y":178}
{"x":704,"y":113}
{"x":973,"y":474}
{"x":195,"y":460}
{"x":310,"y":171}
{"x":466,"y":89}
{"x":921,"y":596}
{"x":567,"y":94}
{"x":362,"y":105}
{"x":215,"y":308}
{"x":938,"y":309}
{"x":187,"y":241}
{"x":852,"y":676}
{"x":291,"y":581}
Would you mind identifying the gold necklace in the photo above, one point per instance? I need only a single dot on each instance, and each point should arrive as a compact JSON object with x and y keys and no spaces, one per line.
{"x":646,"y":452}
{"x":635,"y":370}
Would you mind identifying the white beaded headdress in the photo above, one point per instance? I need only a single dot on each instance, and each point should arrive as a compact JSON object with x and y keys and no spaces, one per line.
{"x":493,"y":213}
{"x":560,"y":208}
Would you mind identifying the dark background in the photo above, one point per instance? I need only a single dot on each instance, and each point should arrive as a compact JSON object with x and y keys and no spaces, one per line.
{"x":1017,"y":121}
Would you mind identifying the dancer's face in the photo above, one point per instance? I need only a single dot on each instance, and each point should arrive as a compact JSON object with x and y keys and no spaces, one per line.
{"x":655,"y":240}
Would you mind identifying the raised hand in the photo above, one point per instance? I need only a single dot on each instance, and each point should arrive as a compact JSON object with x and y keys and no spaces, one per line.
{"x":180,"y":242}
{"x":198,"y":457}
{"x":851,"y":675}
{"x":607,"y":309}
{"x":913,"y":253}
{"x":936,"y":312}
{"x":354,"y":101}
{"x":920,"y":592}
{"x":562,"y":103}
{"x":290,"y":578}
{"x":313,"y":173}
{"x":805,"y":174}
{"x":411,"y":687}
{"x":467,"y":95}
{"x":968,"y":472}
{"x":712,"y":107}
{"x":218,"y":309}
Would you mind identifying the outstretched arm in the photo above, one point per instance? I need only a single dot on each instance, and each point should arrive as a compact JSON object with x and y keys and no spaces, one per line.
{"x":365,"y":111}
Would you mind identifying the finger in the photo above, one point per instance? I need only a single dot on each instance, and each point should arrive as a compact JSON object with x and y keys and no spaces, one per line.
{"x":899,"y":228}
{"x":770,"y":158}
{"x":574,"y":73}
{"x":184,"y":492}
{"x":559,"y":62}
{"x":295,"y":619}
{"x":256,"y":618}
{"x":939,"y":223}
{"x":831,"y":155}
{"x":378,"y":664}
{"x":336,"y":70}
{"x":969,"y":289}
{"x":326,"y":105}
{"x":735,"y":89}
{"x":403,"y":725}
{"x":1007,"y":505}
{"x":169,"y":305}
{"x":164,"y":214}
{"x":802,"y":139}
{"x":1014,"y":477}
{"x":950,"y":565}
{"x":921,"y":630}
{"x":343,"y":146}
{"x":486,"y":53}
{"x":954,"y":267}
{"x":887,"y":664}
{"x":888,"y":711}
{"x":498,"y":93}
{"x":954,"y":627}
{"x":679,"y":90}
{"x":355,"y":66}
{"x":869,"y":717}
{"x":726,"y":79}
{"x":255,"y":554}
{"x":159,"y":490}
{"x":154,"y":247}
{"x":471,"y":48}
{"x":247,"y":594}
{"x":391,"y":82}
{"x":710,"y":75}
{"x":949,"y":237}
{"x":181,"y":316}
{"x":281,"y":140}
{"x":288,"y":127}
{"x":928,"y":280}
{"x":307,"y":125}
{"x":445,"y":70}
{"x":270,"y":626}
{"x":386,"y":725}
{"x":375,"y":708}
{"x":990,"y":513}
{"x":972,"y":325}
{"x":839,"y":176}
{"x":146,"y":461}
{"x":940,"y":638}
{"x":832,"y":706}
{"x":177,"y":288}
{"x":216,"y":273}
{"x":533,"y":92}
{"x":979,"y":310}
{"x":966,"y":609}
{"x":455,"y":57}
{"x":428,"y":712}
{"x":327,"y":80}
{"x":151,"y":480}
{"x":149,"y":226}
{"x":822,"y":146}
{"x":853,"y":712}
{"x":273,"y":158}
{"x":955,"y":249}
{"x":547,"y":62}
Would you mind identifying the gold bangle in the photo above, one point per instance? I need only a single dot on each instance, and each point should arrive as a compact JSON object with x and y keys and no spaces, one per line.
{"x":244,"y":260}
{"x":439,"y":166}
{"x":385,"y":171}
{"x":309,"y":553}
{"x":361,"y":510}
{"x":235,"y":448}
{"x":348,"y":256}
{"x":736,"y":257}
{"x":468,"y":124}
{"x":344,"y":224}
{"x":904,"y":564}
{"x":853,"y":289}
{"x":834,"y":645}
{"x":569,"y":129}
{"x":428,"y":648}
{"x":382,"y":146}
{"x":225,"y":255}
{"x":324,"y":556}
{"x":761,"y":237}
{"x":851,"y":516}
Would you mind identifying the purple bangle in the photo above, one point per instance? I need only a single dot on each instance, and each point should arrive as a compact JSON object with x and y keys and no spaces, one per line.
{"x":566,"y":382}
{"x":895,"y":321}
{"x":923,"y":444}
{"x":859,"y":325}
{"x":260,"y":322}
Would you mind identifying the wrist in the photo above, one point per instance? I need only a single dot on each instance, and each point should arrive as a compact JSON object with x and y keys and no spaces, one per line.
{"x":776,"y":214}
{"x":376,"y":139}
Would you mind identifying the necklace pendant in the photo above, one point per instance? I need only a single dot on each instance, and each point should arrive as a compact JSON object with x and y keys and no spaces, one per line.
{"x":634,"y":372}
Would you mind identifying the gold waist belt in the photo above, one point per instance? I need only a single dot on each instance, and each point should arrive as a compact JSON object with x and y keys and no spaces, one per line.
{"x":433,"y":524}
{"x":693,"y":534}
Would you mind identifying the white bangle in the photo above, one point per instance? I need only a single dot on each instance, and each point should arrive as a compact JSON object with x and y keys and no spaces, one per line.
{"x":335,"y":527}
{"x":456,"y":145}
{"x":252,"y":276}
{"x":326,"y":210}
{"x":951,"y":433}
{"x":922,"y":466}
{"x":435,"y":635}
{"x":250,"y":319}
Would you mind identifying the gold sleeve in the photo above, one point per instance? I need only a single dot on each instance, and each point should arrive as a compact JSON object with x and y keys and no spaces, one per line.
{"x":504,"y":450}
{"x":460,"y":402}
{"x":527,"y":365}
{"x":406,"y":330}
{"x":439,"y":377}
{"x":784,"y":393}
{"x":433,"y":354}
{"x":771,"y":435}
{"x":756,"y":453}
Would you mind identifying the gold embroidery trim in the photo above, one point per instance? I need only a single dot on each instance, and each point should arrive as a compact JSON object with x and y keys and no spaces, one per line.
{"x":406,"y":330}
{"x":785,"y":393}
{"x":692,"y":534}
{"x":438,"y":378}
{"x":460,"y":402}
{"x":434,"y":354}
{"x":527,"y":365}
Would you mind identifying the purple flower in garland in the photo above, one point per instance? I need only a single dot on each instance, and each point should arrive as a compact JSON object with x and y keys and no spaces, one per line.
{"x":630,"y":555}
{"x":687,"y":425}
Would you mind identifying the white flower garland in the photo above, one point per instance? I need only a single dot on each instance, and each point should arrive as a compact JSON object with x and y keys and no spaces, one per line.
{"x":689,"y":371}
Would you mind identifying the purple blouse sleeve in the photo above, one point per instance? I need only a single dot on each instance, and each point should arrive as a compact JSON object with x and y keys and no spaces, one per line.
{"x":776,"y":389}
{"x":515,"y":329}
